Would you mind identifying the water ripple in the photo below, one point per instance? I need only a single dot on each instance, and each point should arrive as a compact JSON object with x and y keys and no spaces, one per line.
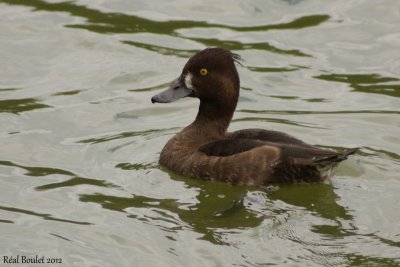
{"x":111,"y":137}
{"x":68,"y":93}
{"x":42,"y":215}
{"x":21,"y":105}
{"x":306,"y":112}
{"x":219,"y":205}
{"x":366,"y":83}
{"x":280,"y":121}
{"x":45,"y":171}
{"x":235,"y":45}
{"x":6,"y":221}
{"x":162,"y":50}
{"x":102,"y":22}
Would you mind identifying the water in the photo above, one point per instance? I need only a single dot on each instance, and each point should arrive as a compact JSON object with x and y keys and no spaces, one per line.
{"x":80,"y":140}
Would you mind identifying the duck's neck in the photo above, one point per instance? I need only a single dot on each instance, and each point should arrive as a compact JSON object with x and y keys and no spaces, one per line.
{"x":214,"y":118}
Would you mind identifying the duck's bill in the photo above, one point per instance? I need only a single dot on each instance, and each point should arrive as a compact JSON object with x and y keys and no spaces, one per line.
{"x":176,"y":90}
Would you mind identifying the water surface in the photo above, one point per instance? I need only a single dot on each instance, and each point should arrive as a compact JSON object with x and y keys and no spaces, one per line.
{"x":80,"y":140}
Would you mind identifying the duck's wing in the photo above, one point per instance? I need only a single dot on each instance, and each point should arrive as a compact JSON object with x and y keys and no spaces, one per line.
{"x":229,"y":147}
{"x":272,"y":162}
{"x":297,"y":154}
{"x":265,"y":135}
{"x":288,"y":151}
{"x":312,"y":155}
{"x":290,"y":147}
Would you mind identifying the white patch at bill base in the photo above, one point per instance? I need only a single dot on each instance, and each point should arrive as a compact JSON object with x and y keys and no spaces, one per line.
{"x":188,"y":81}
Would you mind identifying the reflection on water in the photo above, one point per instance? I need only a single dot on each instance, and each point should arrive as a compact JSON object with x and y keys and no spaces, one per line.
{"x":121,"y":23}
{"x":217,"y":206}
{"x":75,"y":181}
{"x":221,"y":210}
{"x":366,"y":83}
{"x":152,"y":88}
{"x":6,"y":221}
{"x":306,"y":112}
{"x":107,"y":138}
{"x":44,"y":171}
{"x":369,"y":151}
{"x":42,"y":215}
{"x":20,"y":105}
{"x":224,"y":206}
{"x":319,"y":198}
{"x":234,"y":45}
{"x":72,"y":92}
{"x":8,"y":89}
{"x":289,"y":122}
{"x":135,"y":166}
{"x":264,"y":69}
{"x":37,"y":171}
{"x":162,"y":50}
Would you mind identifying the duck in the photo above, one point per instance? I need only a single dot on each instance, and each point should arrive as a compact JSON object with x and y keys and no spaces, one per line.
{"x":206,"y":150}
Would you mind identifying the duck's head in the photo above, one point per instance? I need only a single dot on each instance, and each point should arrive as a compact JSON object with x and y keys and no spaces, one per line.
{"x":209,"y":75}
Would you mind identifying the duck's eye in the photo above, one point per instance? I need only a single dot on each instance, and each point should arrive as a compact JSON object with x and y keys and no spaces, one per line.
{"x":203,"y":72}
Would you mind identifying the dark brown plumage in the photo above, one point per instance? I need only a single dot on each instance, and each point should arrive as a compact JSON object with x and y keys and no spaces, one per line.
{"x":204,"y":149}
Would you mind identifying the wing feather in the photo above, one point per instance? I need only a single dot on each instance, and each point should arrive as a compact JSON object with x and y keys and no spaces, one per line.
{"x":266,"y":135}
{"x":228,"y":147}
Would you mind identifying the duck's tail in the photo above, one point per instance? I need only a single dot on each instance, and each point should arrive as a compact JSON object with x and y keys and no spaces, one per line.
{"x":335,"y":158}
{"x":327,"y":166}
{"x":320,"y":165}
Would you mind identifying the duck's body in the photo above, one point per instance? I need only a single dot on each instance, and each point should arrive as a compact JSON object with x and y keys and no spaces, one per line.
{"x":205,"y":149}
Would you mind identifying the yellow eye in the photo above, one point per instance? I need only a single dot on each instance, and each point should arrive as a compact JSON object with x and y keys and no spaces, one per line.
{"x":203,"y":72}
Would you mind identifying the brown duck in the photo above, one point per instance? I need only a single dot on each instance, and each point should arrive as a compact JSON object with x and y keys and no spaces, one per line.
{"x":205,"y":149}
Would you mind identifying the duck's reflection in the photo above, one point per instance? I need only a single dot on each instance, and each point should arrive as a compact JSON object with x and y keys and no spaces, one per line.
{"x":316,"y":197}
{"x":220,"y":207}
{"x":322,"y":201}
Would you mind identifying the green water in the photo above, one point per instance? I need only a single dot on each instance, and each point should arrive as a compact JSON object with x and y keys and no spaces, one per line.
{"x":80,"y":139}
